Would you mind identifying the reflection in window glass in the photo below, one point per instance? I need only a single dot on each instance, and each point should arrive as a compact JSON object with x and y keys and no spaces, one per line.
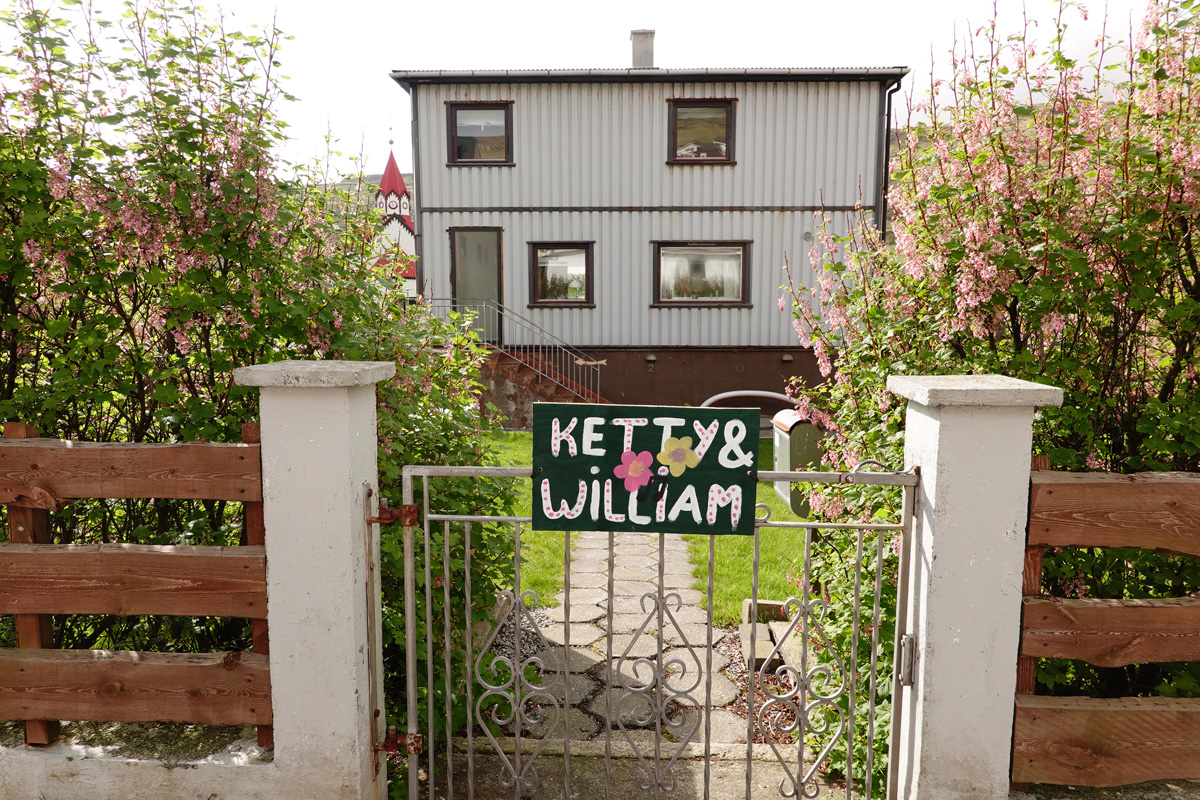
{"x":480,"y":134}
{"x":562,"y":274}
{"x":700,"y":274}
{"x":702,"y":132}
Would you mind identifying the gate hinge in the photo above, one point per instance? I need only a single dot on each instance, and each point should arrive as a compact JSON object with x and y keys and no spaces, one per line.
{"x":395,"y":742}
{"x":387,"y":514}
{"x":908,"y":659}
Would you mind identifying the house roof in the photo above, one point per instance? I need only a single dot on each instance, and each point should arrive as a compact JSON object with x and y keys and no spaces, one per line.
{"x":406,"y":270}
{"x":409,"y":78}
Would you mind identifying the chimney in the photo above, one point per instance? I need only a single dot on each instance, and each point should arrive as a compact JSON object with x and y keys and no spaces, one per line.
{"x":643,"y":49}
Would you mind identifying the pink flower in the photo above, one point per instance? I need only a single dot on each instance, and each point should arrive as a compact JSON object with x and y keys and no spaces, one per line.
{"x":635,"y":469}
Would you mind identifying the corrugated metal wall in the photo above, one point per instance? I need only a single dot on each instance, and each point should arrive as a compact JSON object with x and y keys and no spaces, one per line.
{"x":604,"y":146}
{"x":623,"y":259}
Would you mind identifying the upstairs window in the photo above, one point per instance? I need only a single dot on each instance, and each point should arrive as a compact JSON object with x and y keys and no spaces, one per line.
{"x":480,"y":133}
{"x":560,"y":274}
{"x":701,"y":132}
{"x":701,"y":273}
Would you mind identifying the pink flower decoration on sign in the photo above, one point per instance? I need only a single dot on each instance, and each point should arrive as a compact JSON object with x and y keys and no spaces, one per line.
{"x":635,"y":469}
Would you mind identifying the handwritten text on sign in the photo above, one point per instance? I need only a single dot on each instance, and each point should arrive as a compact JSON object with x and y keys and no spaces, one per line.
{"x":644,"y":468}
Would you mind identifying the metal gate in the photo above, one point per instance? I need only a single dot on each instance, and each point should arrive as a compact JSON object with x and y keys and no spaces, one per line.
{"x":509,"y":706}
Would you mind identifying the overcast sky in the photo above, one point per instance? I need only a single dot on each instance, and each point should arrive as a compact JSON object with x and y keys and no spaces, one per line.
{"x":339,"y":59}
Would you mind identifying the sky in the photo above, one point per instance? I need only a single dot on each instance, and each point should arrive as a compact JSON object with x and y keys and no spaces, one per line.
{"x":341,"y":53}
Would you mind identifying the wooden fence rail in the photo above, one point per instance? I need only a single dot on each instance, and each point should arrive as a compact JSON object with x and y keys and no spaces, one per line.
{"x":39,"y":578}
{"x":1107,"y":742}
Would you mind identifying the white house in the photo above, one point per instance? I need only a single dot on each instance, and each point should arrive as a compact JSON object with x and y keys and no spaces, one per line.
{"x":643,"y":215}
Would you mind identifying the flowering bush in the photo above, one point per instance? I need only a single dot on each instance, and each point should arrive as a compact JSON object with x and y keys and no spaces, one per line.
{"x":149,"y":246}
{"x":1046,"y":227}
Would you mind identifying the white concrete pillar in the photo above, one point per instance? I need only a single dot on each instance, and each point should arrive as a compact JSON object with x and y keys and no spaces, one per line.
{"x":319,"y":458}
{"x":971,"y":436}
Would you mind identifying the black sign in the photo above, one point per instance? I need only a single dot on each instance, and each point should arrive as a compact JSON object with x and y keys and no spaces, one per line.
{"x":644,"y":468}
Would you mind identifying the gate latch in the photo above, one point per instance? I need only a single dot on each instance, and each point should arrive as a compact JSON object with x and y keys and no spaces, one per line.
{"x":411,"y":743}
{"x":908,"y":659}
{"x":387,"y":514}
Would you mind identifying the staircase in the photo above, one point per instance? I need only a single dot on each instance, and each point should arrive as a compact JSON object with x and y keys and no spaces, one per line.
{"x":549,"y":370}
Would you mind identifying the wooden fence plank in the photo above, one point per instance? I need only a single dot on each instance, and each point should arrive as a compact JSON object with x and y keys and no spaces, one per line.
{"x":32,"y":525}
{"x":256,"y":535}
{"x":42,"y":473}
{"x":1155,"y":511}
{"x":107,"y":686}
{"x":126,"y":579}
{"x":1082,"y":741}
{"x":1112,"y":633}
{"x":1031,"y":586}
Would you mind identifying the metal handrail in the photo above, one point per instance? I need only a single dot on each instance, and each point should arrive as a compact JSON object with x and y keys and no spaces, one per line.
{"x":549,"y":356}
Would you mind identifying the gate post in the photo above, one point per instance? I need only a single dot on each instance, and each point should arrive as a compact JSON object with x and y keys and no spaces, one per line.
{"x":319,"y":453}
{"x":971,"y":436}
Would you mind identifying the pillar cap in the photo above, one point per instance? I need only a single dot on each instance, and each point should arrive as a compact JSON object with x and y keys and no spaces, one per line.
{"x":973,"y":390}
{"x":315,"y":374}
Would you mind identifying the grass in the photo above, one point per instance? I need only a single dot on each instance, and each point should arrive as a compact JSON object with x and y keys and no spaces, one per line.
{"x":542,"y":552}
{"x":733,"y":556}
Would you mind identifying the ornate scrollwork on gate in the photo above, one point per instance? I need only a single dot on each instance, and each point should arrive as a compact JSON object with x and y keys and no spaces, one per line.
{"x":512,"y":700}
{"x":656,"y":690}
{"x":808,"y":708}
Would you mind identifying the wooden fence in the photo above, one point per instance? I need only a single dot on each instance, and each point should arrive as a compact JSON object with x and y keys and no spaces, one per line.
{"x":38,"y":578}
{"x":1107,"y":742}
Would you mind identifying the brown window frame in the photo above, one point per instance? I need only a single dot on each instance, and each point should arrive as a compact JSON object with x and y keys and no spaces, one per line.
{"x":452,"y":108}
{"x":673,"y":106}
{"x":741,"y":302}
{"x":589,"y":271}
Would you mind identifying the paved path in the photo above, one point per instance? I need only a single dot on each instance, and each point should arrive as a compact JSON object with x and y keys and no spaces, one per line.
{"x":623,"y":694}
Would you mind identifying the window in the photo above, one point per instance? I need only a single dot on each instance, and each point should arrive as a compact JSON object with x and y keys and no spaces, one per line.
{"x":480,"y":133}
{"x":701,"y":273}
{"x":560,"y":274}
{"x":701,"y":132}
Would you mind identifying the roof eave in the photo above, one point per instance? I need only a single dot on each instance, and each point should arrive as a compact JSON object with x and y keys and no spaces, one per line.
{"x":409,"y":78}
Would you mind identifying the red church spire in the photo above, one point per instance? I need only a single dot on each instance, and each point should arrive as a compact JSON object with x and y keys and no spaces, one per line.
{"x":392,"y":197}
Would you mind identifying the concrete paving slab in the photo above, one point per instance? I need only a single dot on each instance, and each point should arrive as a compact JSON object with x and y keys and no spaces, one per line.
{"x":630,"y":623}
{"x":643,"y":647}
{"x":627,"y":605}
{"x":549,"y":723}
{"x":578,"y":659}
{"x":589,"y":561}
{"x":687,"y":613}
{"x":582,"y":633}
{"x":627,"y":673}
{"x":588,"y":580}
{"x":637,"y":551}
{"x":726,"y":778}
{"x":763,"y":648}
{"x":687,"y":633}
{"x":578,"y":687}
{"x":579,"y":612}
{"x":648,"y":561}
{"x":630,"y":709}
{"x":590,"y":596}
{"x":723,"y":693}
{"x":633,"y":588}
{"x":727,"y":727}
{"x":635,"y":574}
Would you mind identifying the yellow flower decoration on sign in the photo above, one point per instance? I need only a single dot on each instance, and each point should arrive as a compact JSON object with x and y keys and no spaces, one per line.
{"x":678,"y":455}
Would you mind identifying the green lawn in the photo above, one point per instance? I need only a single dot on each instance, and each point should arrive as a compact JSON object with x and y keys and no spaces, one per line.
{"x":541,"y":551}
{"x":734,"y":556}
{"x":542,"y":565}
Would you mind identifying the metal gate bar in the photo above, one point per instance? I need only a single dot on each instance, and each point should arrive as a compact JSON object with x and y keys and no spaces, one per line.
{"x":801,"y":688}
